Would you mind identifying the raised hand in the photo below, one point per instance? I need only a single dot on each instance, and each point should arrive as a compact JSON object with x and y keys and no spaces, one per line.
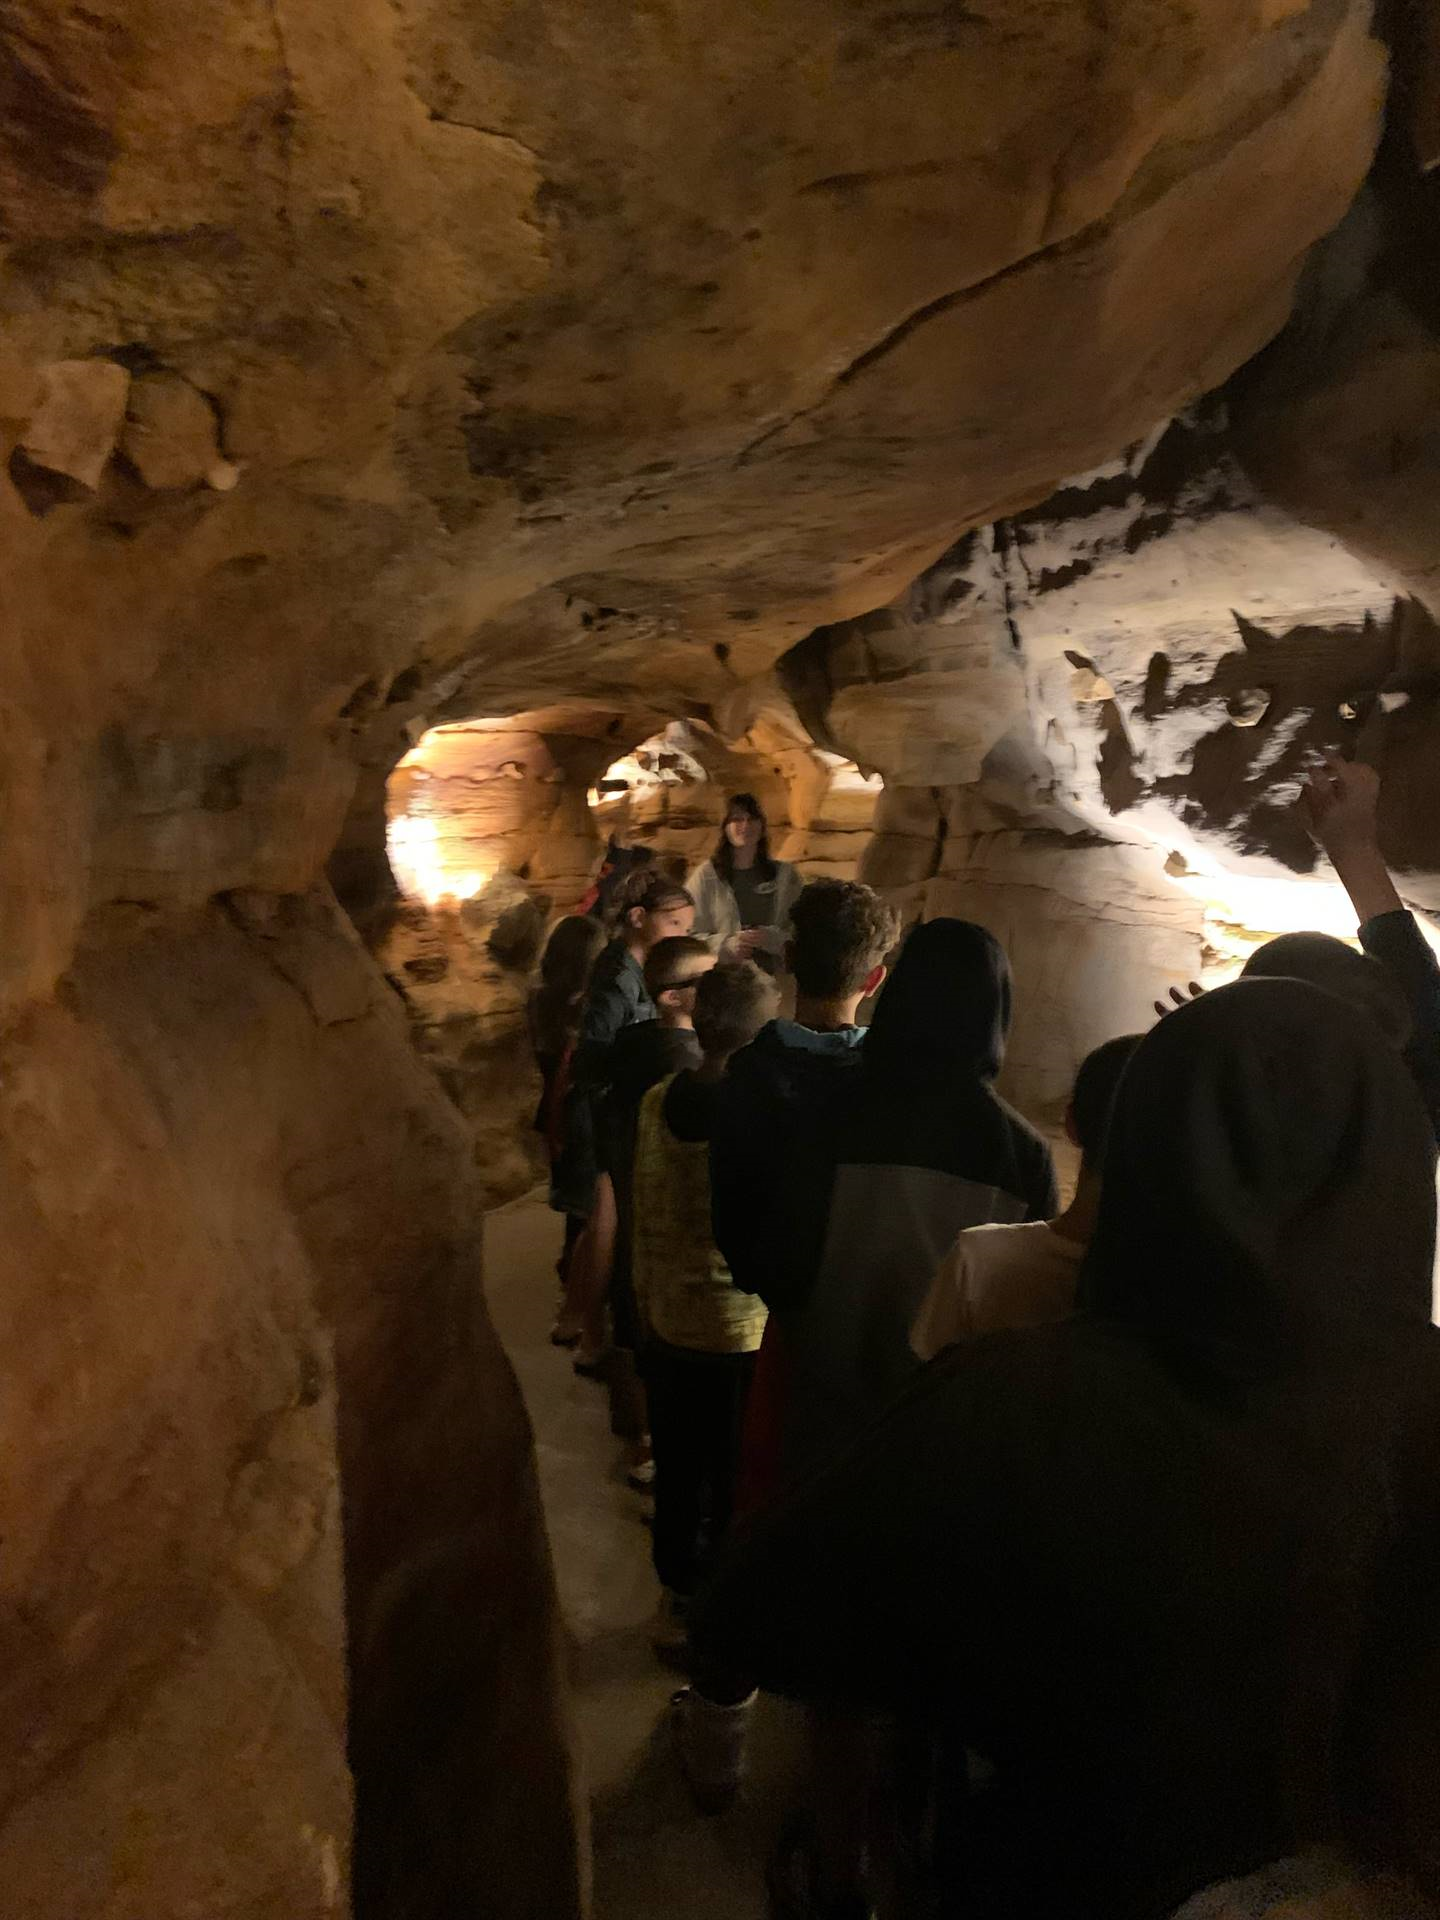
{"x":1179,"y":999}
{"x":1339,"y":801}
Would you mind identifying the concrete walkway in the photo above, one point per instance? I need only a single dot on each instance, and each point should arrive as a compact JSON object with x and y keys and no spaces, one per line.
{"x":656,"y":1858}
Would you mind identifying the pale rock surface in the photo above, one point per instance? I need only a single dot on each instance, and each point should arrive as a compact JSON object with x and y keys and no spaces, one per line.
{"x":577,"y":353}
{"x":76,"y":419}
{"x":244,"y":1263}
{"x":1094,"y":931}
{"x":171,"y":435}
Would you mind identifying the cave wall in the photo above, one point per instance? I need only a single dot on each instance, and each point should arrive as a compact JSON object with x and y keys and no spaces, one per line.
{"x":1093,"y":719}
{"x":243,"y":1265}
{"x":364,"y":368}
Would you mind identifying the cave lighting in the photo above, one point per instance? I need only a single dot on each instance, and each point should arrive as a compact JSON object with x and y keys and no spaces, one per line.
{"x":419,"y":865}
{"x":1242,"y":912}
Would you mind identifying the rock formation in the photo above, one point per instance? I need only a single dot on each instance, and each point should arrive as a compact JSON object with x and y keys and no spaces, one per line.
{"x":370,"y":368}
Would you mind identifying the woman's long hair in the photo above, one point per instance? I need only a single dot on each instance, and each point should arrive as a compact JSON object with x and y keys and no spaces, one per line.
{"x":723,"y":858}
{"x":570,"y":952}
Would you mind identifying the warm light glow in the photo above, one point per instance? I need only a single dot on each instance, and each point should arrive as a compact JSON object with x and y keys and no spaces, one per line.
{"x":1242,"y":913}
{"x":662,"y":761}
{"x":419,"y":867}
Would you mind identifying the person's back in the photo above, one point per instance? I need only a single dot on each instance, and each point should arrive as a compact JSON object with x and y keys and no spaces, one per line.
{"x":643,"y":1054}
{"x":1155,"y":1560}
{"x":770,"y":1170}
{"x":702,"y":1333}
{"x":682,"y":1283}
{"x":922,"y":1147}
{"x":1025,"y":1275}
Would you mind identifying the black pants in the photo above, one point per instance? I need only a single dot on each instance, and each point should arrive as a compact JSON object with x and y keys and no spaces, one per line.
{"x":697,"y":1405}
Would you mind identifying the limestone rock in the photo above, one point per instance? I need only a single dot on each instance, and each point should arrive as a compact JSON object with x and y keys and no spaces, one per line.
{"x":171,"y":435}
{"x":1166,"y":650}
{"x":76,"y":423}
{"x":580,"y":358}
{"x":538,"y":392}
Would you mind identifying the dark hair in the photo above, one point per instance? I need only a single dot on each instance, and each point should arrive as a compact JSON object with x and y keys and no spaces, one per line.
{"x":570,"y":952}
{"x":840,"y":932}
{"x":732,"y":1003}
{"x":670,"y":957}
{"x":944,"y":1016}
{"x":652,"y":890}
{"x":1093,"y":1100}
{"x":723,"y":858}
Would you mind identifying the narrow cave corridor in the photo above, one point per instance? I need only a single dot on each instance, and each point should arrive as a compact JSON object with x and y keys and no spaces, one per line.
{"x":446,"y":442}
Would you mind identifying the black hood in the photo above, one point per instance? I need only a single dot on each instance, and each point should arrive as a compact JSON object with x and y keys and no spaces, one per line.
{"x":1329,"y":963}
{"x":944,"y":1014}
{"x":1269,"y":1188}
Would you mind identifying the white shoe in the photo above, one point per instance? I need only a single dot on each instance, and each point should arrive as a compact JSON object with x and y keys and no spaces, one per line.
{"x":711,"y":1742}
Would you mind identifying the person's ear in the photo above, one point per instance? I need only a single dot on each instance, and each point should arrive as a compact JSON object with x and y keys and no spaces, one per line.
{"x":874,"y":980}
{"x":1071,"y":1131}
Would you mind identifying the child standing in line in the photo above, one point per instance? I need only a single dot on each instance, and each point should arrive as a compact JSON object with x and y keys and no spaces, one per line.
{"x":1024,"y":1275}
{"x":643,"y":1054}
{"x":702,"y":1332}
{"x":553,"y":1016}
{"x":652,"y":908}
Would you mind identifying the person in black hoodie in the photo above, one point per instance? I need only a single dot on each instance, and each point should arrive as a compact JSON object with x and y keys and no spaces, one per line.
{"x":920,"y":1146}
{"x":770,"y":1164}
{"x":769,"y":1189}
{"x":1174,"y":1564}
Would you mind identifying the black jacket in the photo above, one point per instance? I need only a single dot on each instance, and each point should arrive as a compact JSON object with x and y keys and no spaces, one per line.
{"x":1165,"y":1563}
{"x":1398,"y":944}
{"x":919,"y":1146}
{"x":770,"y":1160}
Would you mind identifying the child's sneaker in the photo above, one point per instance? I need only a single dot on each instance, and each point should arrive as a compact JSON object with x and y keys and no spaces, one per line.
{"x":710,"y":1741}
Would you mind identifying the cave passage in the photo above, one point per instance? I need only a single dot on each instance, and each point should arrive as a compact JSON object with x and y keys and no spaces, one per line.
{"x":439,"y":442}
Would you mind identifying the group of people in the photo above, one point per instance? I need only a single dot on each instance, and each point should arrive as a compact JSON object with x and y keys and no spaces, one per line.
{"x":1101,"y":1543}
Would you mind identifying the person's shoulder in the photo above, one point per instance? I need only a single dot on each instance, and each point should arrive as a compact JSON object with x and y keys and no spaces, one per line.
{"x":1027,"y":1135}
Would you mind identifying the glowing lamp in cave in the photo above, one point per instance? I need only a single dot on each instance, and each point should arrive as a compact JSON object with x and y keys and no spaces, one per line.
{"x":420,"y":868}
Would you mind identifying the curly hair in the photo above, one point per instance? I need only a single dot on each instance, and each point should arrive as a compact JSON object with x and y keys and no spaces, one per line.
{"x":840,"y":932}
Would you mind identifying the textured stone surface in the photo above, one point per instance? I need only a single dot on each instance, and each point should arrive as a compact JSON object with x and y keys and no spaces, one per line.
{"x":535,"y":386}
{"x":1150,"y":655}
{"x":548,"y":354}
{"x":244,"y":1267}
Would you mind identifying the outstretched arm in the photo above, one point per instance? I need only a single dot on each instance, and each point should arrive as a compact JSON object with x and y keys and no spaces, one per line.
{"x":1340,"y":802}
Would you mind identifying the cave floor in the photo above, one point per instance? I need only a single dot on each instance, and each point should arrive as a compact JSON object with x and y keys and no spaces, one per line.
{"x":654,"y":1854}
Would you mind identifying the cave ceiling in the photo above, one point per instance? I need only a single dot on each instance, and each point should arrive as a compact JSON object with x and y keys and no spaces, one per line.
{"x":369,"y":366}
